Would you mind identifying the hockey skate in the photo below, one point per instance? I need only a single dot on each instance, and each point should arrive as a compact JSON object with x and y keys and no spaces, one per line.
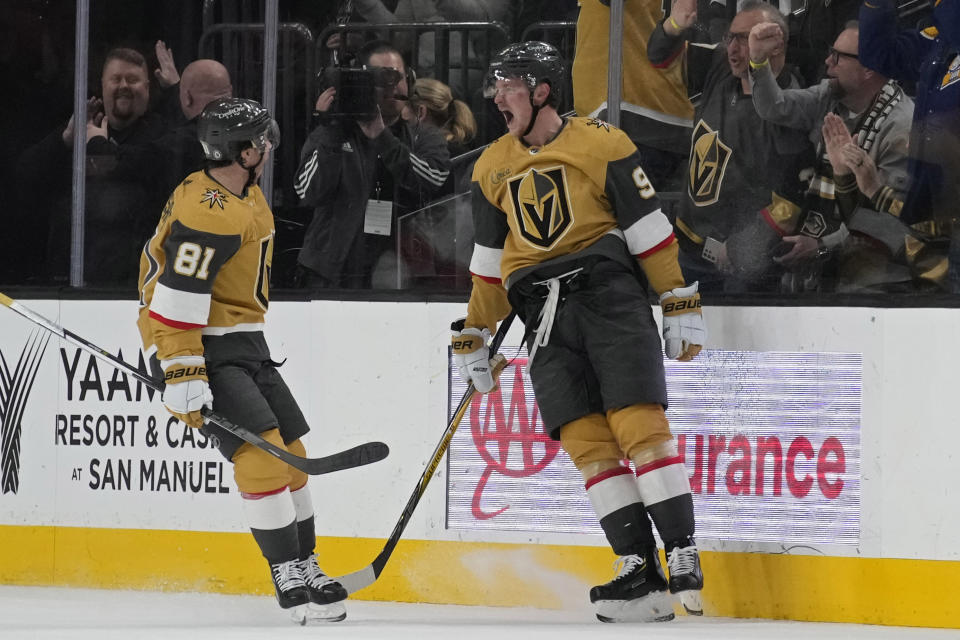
{"x":326,"y":595}
{"x":686,"y":578}
{"x":288,"y":583}
{"x":638,"y":592}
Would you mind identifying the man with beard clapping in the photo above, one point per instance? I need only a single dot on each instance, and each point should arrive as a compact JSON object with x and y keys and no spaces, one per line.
{"x":121,"y":204}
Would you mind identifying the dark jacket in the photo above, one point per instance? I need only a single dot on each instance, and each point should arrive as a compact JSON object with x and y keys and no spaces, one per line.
{"x":931,"y":57}
{"x":123,"y":200}
{"x":341,"y":169}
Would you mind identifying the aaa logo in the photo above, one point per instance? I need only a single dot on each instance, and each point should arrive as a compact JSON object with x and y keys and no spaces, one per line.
{"x":510,"y":440}
{"x":15,"y":387}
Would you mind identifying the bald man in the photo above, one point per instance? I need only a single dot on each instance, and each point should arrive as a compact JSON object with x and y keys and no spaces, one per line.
{"x":202,"y":82}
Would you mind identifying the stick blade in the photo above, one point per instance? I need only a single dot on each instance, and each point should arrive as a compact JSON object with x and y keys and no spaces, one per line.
{"x":358,"y":456}
{"x":357,"y":580}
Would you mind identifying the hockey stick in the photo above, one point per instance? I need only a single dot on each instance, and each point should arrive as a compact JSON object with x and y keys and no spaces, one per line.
{"x":365,"y":577}
{"x":360,"y":455}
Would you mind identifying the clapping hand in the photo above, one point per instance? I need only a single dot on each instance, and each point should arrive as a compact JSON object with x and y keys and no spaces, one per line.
{"x":94,"y":118}
{"x":167,"y":74}
{"x":835,"y":138}
{"x":863,"y":167}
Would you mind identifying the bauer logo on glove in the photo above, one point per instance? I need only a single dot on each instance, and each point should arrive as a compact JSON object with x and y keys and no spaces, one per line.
{"x":185,"y":372}
{"x":681,"y":306}
{"x":471,"y":356}
{"x":683,"y":330}
{"x":186,"y":391}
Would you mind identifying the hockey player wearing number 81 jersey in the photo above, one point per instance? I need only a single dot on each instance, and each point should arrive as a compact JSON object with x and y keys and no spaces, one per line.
{"x":204,"y":281}
{"x":569,"y":232}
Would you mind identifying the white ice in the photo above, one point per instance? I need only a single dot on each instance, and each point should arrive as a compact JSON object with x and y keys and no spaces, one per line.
{"x":28,"y":613}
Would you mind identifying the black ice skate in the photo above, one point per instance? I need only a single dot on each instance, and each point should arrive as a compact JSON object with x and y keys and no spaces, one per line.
{"x":686,"y":578}
{"x":326,"y":594}
{"x":289,"y":585}
{"x":638,"y":592}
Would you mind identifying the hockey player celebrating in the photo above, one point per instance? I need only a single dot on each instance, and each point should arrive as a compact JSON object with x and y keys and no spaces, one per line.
{"x":569,"y":232}
{"x":204,"y":281}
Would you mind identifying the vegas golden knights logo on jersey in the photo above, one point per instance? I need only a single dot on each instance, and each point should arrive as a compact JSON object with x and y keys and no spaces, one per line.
{"x":541,"y":206}
{"x":708,"y":162}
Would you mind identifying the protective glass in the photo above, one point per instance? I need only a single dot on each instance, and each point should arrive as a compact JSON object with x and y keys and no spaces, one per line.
{"x":269,"y":135}
{"x":511,"y":83}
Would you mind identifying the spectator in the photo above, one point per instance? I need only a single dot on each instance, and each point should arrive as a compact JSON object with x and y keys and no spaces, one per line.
{"x":360,"y":175}
{"x":815,"y":30}
{"x":202,"y":82}
{"x":430,"y":246}
{"x":120,"y":208}
{"x":655,"y":110}
{"x":433,"y":103}
{"x":875,"y":115}
{"x":931,"y":58}
{"x":736,"y":158}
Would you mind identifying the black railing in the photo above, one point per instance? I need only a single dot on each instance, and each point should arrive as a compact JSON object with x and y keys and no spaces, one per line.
{"x":239,"y":46}
{"x":461,"y":50}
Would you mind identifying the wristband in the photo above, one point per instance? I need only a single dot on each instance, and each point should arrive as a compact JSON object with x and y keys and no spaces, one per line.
{"x":759,"y":65}
{"x":674,"y":24}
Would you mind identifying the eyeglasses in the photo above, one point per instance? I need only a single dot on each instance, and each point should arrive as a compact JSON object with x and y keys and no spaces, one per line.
{"x":741,"y":38}
{"x":834,"y":56}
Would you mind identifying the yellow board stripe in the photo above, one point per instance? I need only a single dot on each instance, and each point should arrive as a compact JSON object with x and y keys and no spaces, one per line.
{"x":743,"y":585}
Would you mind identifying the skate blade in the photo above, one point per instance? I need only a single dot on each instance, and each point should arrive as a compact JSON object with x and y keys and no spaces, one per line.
{"x":654,"y":607}
{"x":308,"y":613}
{"x":692,"y":602}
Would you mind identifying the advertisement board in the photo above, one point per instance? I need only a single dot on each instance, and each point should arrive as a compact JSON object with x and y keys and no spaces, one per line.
{"x":85,"y":444}
{"x":771,"y":441}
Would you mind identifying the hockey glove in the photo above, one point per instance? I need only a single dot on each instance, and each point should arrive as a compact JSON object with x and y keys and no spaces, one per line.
{"x":683,"y":330}
{"x":186,"y":391}
{"x":472,"y":357}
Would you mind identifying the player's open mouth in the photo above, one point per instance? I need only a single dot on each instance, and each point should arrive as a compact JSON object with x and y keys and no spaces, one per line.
{"x":508,"y":116}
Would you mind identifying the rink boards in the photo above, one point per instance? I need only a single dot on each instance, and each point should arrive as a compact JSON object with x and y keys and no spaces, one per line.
{"x":819,"y":444}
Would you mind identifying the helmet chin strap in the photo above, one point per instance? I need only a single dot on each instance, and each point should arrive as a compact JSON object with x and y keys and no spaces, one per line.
{"x":251,"y":171}
{"x":533,"y":118}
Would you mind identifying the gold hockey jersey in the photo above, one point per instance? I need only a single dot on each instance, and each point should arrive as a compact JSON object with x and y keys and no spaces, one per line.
{"x":536,"y":204}
{"x":655,"y":109}
{"x":206,"y":270}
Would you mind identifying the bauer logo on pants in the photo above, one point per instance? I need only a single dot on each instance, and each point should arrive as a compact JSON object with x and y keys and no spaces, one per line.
{"x":16,"y":382}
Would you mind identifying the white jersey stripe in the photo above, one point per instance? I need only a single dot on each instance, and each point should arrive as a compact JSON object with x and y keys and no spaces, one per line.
{"x":648,"y":232}
{"x":486,"y":261}
{"x":237,"y":328}
{"x":180,"y":306}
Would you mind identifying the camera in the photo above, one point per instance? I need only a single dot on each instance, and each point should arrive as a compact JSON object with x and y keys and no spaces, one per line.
{"x":356,"y":88}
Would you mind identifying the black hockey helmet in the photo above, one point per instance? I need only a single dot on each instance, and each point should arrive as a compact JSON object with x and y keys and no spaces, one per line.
{"x":227,"y":126}
{"x":533,"y":61}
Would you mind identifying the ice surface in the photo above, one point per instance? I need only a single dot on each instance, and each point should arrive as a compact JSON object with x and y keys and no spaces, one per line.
{"x":29,"y":613}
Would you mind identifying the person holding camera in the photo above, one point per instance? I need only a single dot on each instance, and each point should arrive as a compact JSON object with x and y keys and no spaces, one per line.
{"x":362,"y":167}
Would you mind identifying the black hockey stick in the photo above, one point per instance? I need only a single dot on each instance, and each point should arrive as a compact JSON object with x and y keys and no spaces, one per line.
{"x":360,"y":455}
{"x":365,"y":577}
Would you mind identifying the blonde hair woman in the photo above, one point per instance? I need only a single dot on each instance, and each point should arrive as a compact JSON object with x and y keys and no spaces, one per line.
{"x":433,"y":102}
